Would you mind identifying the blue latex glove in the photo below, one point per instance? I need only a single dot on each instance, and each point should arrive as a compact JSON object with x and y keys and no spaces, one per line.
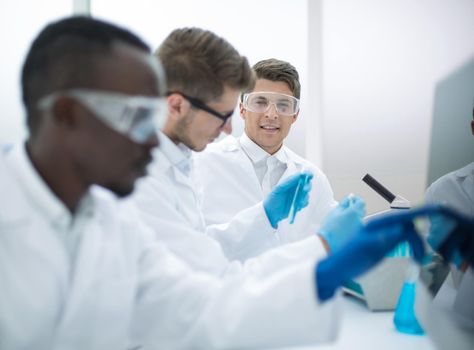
{"x":343,"y":222}
{"x":368,"y":247}
{"x":452,"y":234}
{"x":279,"y":201}
{"x":440,"y":228}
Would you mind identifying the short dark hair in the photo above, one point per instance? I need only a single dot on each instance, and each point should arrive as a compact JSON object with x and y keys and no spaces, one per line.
{"x":63,"y":56}
{"x":199,"y":63}
{"x":278,"y":70}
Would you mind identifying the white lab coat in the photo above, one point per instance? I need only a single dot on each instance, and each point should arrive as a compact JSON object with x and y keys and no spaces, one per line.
{"x":449,"y":318}
{"x":121,"y":289}
{"x":455,"y":189}
{"x":167,"y":198}
{"x":228,"y":184}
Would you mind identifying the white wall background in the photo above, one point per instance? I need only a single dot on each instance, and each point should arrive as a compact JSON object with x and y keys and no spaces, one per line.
{"x":20,"y":22}
{"x":381,"y":62}
{"x":257,"y":29}
{"x":369,"y":70}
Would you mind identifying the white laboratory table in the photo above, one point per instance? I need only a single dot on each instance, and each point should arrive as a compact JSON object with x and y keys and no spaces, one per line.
{"x":363,"y":329}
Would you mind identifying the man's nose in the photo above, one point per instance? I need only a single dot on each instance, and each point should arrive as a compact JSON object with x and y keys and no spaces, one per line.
{"x":272,"y":112}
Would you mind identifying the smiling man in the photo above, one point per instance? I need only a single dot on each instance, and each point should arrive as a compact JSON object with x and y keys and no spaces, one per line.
{"x":206,"y":76}
{"x":248,"y":168}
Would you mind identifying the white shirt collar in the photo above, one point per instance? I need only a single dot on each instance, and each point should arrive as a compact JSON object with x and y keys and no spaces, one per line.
{"x":258,"y":154}
{"x":178,"y":155}
{"x":39,"y":192}
{"x":465,"y":171}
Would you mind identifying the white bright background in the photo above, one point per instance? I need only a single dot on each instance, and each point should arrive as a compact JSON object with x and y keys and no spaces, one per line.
{"x":381,"y":63}
{"x":20,"y":22}
{"x":257,"y":29}
{"x":369,"y":69}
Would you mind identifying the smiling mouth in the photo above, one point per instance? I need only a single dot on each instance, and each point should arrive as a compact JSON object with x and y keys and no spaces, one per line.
{"x":269,"y":127}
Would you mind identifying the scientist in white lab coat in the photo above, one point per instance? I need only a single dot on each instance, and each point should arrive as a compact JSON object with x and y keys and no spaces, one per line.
{"x":205,"y":76}
{"x":247,"y":168}
{"x":453,"y":327}
{"x":455,"y":189}
{"x":78,"y":270}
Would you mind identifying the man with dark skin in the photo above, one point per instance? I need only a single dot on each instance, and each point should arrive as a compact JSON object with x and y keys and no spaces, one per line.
{"x":73,"y":150}
{"x":78,"y":270}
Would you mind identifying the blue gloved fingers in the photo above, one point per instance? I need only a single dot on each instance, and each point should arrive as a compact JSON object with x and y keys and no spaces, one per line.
{"x":303,"y":203}
{"x":455,"y":248}
{"x":354,"y":202}
{"x":302,"y":199}
{"x":341,"y":224}
{"x":358,"y":204}
{"x":415,"y":241}
{"x":440,"y":228}
{"x":308,"y":176}
{"x":285,"y":196}
{"x":345,"y":202}
{"x":291,"y":182}
{"x":384,"y":239}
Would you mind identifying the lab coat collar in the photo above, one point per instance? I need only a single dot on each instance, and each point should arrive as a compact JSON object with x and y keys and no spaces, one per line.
{"x":39,"y":192}
{"x":258,"y":154}
{"x":466,"y":176}
{"x":232,"y":144}
{"x":179,"y":155}
{"x":466,"y":171}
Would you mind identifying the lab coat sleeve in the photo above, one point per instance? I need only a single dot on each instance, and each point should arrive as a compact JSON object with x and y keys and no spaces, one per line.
{"x":178,"y":308}
{"x":279,"y":258}
{"x":323,"y":197}
{"x":248,"y":234}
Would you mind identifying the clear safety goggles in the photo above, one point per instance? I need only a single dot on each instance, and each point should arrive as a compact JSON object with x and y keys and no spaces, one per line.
{"x":260,"y":102}
{"x":137,"y":117}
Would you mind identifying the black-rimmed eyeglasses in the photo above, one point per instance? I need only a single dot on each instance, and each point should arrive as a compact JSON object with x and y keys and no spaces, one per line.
{"x":197,"y":103}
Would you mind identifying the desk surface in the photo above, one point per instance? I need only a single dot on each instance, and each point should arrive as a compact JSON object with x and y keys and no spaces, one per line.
{"x":365,"y":330}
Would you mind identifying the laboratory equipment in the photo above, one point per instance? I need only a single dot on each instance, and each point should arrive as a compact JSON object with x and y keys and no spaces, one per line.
{"x":380,"y":288}
{"x":301,"y":183}
{"x":404,"y":319}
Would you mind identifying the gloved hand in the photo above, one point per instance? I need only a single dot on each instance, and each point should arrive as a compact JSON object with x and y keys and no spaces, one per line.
{"x":368,"y":247}
{"x":343,"y":222}
{"x":439,"y":229}
{"x":278,"y":202}
{"x":452,"y":235}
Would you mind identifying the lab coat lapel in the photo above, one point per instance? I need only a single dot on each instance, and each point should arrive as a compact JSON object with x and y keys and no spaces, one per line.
{"x":291,"y":169}
{"x":180,"y":178}
{"x":238,"y":156}
{"x":84,"y":269}
{"x":102,"y":289}
{"x":468,"y":187}
{"x":292,"y":166}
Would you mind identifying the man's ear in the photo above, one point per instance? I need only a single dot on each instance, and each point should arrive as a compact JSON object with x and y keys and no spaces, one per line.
{"x":177,"y":106}
{"x":65,"y":112}
{"x":242,"y":110}
{"x":295,"y":117}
